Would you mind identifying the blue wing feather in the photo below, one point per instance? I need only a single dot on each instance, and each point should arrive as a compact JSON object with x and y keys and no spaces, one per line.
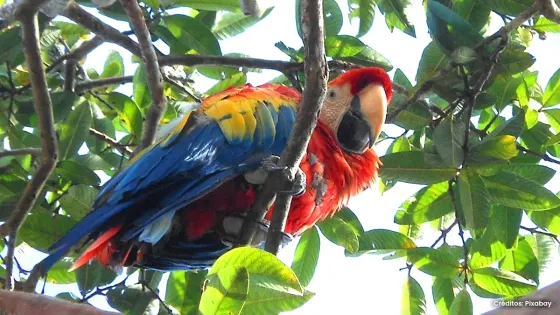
{"x":170,"y":176}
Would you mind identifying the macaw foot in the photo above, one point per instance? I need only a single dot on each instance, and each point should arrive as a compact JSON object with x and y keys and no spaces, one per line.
{"x":232,"y":226}
{"x":259,"y":176}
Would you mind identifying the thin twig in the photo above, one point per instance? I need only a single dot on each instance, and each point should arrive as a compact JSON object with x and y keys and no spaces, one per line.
{"x":27,"y":16}
{"x":155,"y":79}
{"x":16,"y":152}
{"x":156,"y":295}
{"x":181,"y":87}
{"x":544,"y":156}
{"x":444,"y":233}
{"x":123,"y":148}
{"x":98,"y":83}
{"x":536,"y":230}
{"x":316,"y":76}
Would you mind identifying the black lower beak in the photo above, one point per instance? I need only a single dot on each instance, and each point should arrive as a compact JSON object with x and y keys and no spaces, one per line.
{"x":353,"y":133}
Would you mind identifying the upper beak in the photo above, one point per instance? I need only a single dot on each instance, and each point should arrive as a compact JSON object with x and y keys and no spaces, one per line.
{"x":361,"y":124}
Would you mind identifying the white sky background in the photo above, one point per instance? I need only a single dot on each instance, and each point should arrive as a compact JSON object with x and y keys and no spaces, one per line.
{"x":365,"y":284}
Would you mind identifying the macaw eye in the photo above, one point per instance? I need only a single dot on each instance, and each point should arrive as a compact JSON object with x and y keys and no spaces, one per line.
{"x":332,"y":94}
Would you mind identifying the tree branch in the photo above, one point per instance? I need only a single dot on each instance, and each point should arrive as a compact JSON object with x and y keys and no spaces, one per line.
{"x":26,"y":151}
{"x":27,"y":15}
{"x":75,"y":13}
{"x":549,"y":9}
{"x":155,"y":79}
{"x":316,"y":76}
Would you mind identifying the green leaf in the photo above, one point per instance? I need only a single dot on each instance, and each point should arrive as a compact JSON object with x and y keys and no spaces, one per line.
{"x":93,"y":275}
{"x":413,"y":301}
{"x":442,"y":293}
{"x":502,"y":147}
{"x":487,"y":249}
{"x":78,"y":200}
{"x":128,"y":112}
{"x":462,"y":304}
{"x":235,"y":23}
{"x":77,"y":173}
{"x":62,"y":103}
{"x":211,"y":5}
{"x":114,"y":65}
{"x":551,"y":94}
{"x":449,"y":29}
{"x":546,"y":249}
{"x":269,"y":280}
{"x":515,"y":191}
{"x":369,"y":58}
{"x":41,"y":229}
{"x":133,"y":300}
{"x":306,"y":256}
{"x":428,"y":204}
{"x":436,"y":262}
{"x":193,"y":33}
{"x":395,"y":16}
{"x":549,"y":220}
{"x":414,"y":117}
{"x":401,"y":79}
{"x":74,"y":131}
{"x":140,"y":91}
{"x":513,"y":62}
{"x":514,"y":126}
{"x":545,"y":25}
{"x":11,"y":53}
{"x":475,"y":12}
{"x":505,"y":222}
{"x":433,"y":59}
{"x":522,"y":260}
{"x":59,"y":273}
{"x":237,"y":79}
{"x":364,"y":10}
{"x":341,"y":233}
{"x":501,"y":282}
{"x":340,"y":46}
{"x":474,"y":199}
{"x":410,"y":167}
{"x":449,"y":137}
{"x":509,"y":7}
{"x":226,"y":291}
{"x":504,"y":89}
{"x":184,"y":291}
{"x":386,"y":241}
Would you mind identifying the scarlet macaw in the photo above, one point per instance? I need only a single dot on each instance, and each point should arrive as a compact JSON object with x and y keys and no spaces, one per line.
{"x":180,"y":202}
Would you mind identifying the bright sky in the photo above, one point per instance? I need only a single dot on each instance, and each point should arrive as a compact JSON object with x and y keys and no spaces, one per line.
{"x":357,"y":285}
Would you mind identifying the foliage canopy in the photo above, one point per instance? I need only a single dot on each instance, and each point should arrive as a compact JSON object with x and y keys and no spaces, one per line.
{"x":477,"y":131}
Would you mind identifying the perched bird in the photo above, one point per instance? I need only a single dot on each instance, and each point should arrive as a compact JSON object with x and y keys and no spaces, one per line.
{"x":180,"y":203}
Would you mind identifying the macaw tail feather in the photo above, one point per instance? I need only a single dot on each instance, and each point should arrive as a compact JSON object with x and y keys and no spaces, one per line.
{"x":98,"y":248}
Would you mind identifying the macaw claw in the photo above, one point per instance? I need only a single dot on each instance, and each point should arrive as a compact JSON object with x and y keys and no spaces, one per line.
{"x":298,"y":184}
{"x":269,"y":165}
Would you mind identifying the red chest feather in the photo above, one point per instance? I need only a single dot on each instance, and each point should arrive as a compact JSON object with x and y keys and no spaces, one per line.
{"x":333,"y":176}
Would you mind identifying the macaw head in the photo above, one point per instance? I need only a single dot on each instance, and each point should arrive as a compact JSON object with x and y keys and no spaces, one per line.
{"x":355,"y":107}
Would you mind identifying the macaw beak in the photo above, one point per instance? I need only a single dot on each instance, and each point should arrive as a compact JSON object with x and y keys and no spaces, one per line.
{"x":361,"y":124}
